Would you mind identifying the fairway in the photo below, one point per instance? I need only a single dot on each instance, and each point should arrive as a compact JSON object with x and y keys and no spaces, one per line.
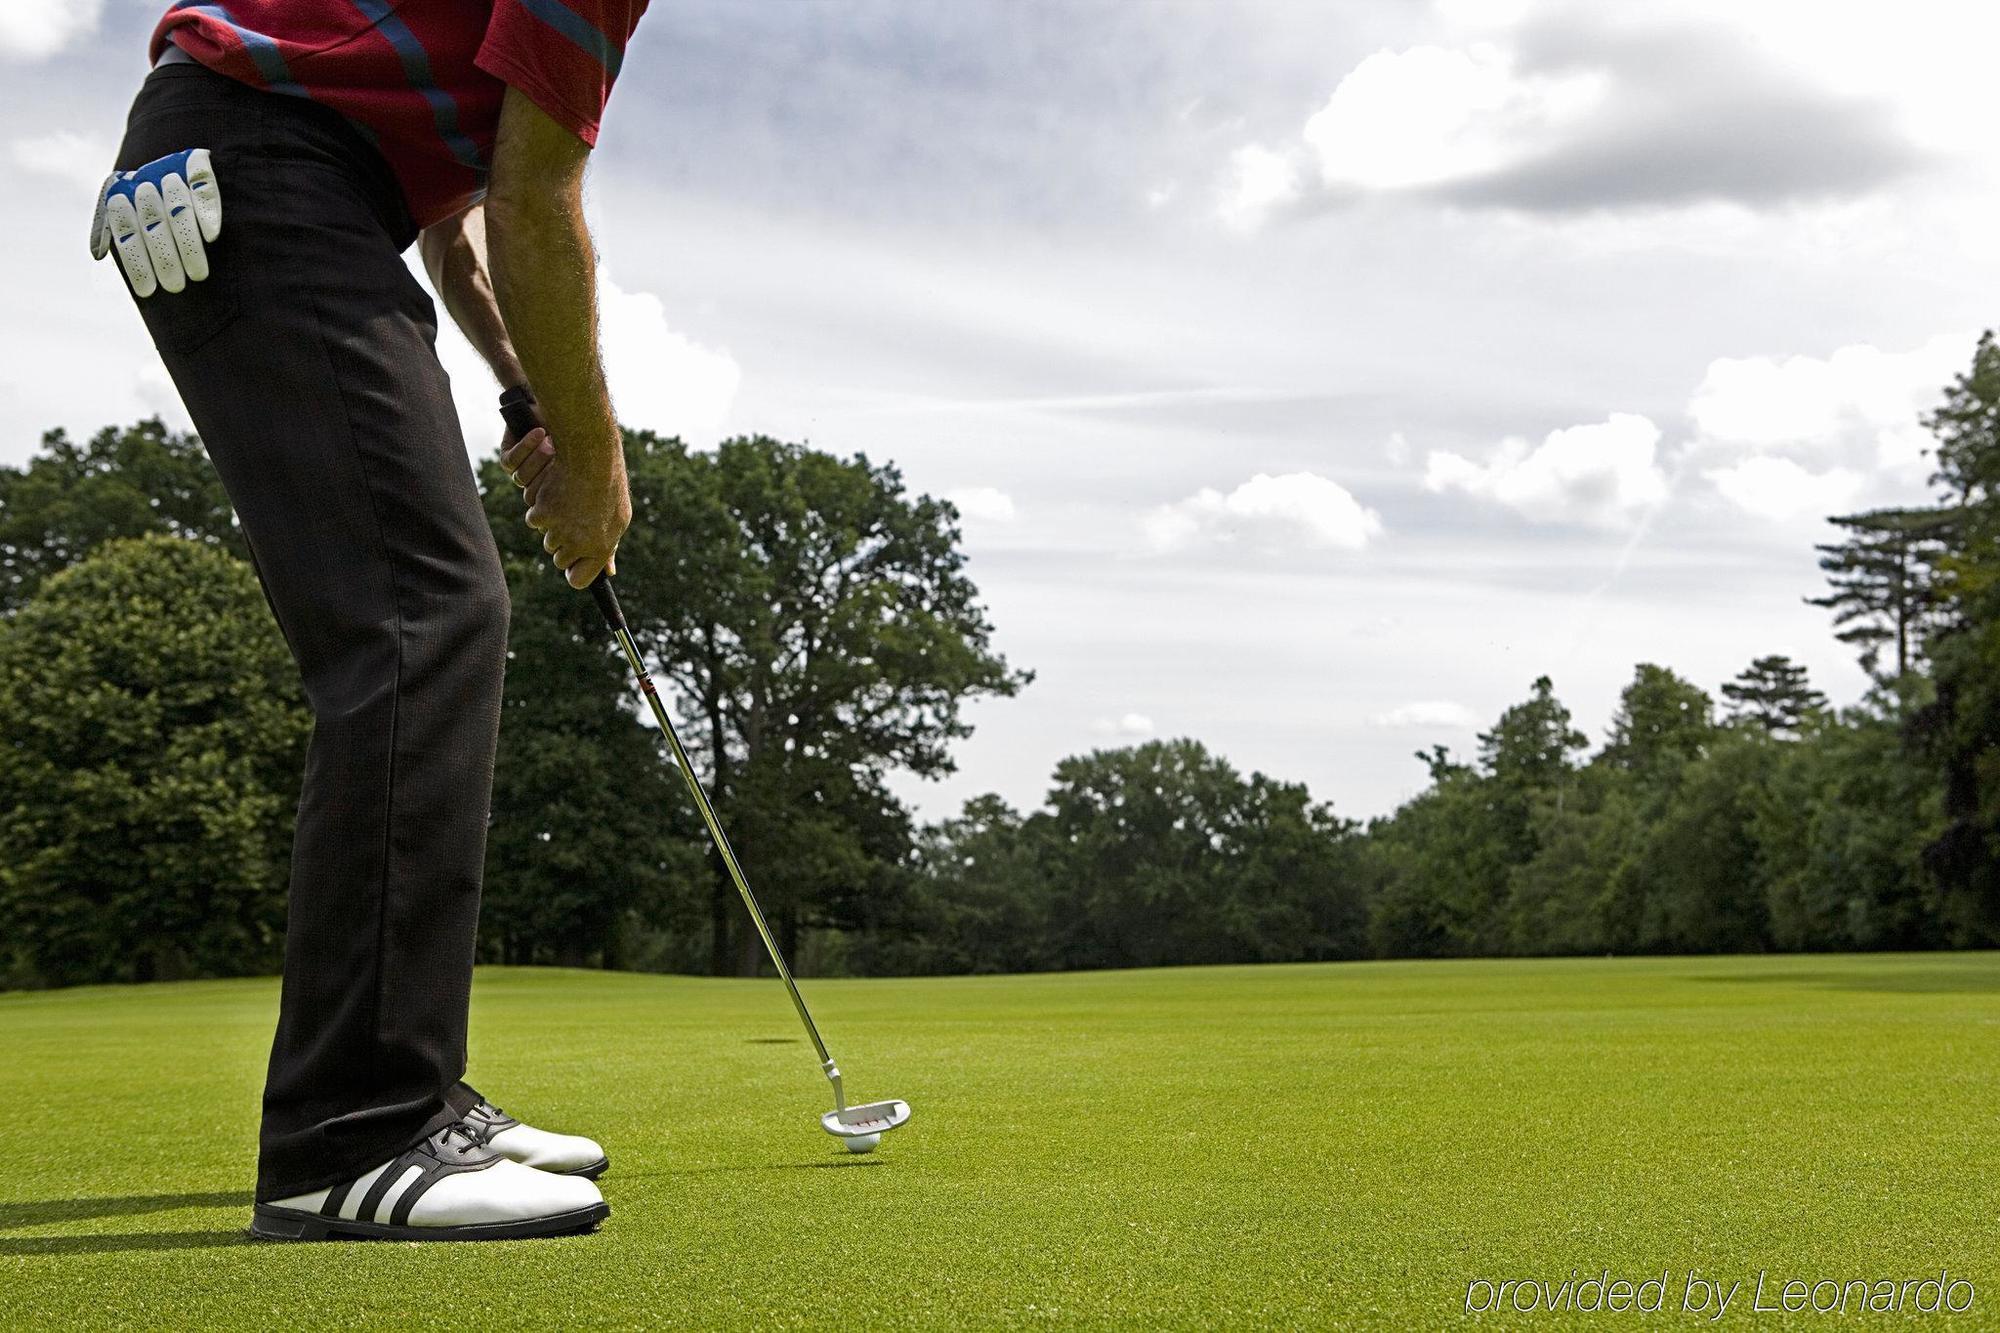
{"x":1346,"y":1144}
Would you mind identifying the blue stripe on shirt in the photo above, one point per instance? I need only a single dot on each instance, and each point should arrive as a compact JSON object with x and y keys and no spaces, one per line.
{"x":263,"y":52}
{"x":579,"y":30}
{"x":417,"y":69}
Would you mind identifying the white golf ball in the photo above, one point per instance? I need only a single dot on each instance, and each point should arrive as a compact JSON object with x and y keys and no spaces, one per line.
{"x":862,"y":1142}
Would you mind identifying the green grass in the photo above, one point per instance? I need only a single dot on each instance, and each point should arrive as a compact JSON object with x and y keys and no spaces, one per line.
{"x":1285,"y":1146}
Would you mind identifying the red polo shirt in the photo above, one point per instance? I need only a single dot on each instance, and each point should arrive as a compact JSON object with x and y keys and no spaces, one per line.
{"x":422,"y":78}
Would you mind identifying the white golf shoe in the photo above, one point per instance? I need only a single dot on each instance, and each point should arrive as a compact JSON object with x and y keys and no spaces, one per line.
{"x":451,"y":1186}
{"x":563,"y":1154}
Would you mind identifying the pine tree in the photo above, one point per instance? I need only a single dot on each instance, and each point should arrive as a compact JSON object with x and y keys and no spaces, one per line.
{"x":1773,"y":693}
{"x":1885,"y":579}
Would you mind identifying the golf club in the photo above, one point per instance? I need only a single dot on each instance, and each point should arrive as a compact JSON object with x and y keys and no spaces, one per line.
{"x":860,"y":1128}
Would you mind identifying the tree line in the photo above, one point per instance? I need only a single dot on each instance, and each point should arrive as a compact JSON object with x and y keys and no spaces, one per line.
{"x":817,"y":629}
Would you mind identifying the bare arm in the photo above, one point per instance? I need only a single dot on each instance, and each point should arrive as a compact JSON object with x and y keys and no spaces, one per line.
{"x":545,"y":286}
{"x":454,"y":254}
{"x":545,"y":275}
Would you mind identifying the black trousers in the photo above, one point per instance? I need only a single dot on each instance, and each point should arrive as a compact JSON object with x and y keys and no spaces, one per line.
{"x":307,"y":361}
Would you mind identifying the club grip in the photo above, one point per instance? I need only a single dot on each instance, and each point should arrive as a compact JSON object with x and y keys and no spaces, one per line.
{"x":607,"y":601}
{"x":517,"y":408}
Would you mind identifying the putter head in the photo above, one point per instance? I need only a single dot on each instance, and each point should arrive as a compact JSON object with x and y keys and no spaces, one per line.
{"x":873,"y":1118}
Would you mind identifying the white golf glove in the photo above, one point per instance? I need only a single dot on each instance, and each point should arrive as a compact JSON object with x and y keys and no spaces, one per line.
{"x":159,"y":218}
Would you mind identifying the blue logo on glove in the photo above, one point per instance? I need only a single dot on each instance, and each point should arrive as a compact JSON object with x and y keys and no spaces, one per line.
{"x":160,"y":219}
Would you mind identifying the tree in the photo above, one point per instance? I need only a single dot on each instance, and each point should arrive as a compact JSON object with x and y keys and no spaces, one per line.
{"x":1445,"y":860}
{"x":981,"y":899}
{"x":1531,"y":744}
{"x":592,"y":855}
{"x":1529,"y":753}
{"x":1569,"y":897}
{"x":1155,"y":855}
{"x":1691,"y":883}
{"x":1885,"y":579}
{"x":1526,"y":758}
{"x":1662,"y":722}
{"x":1962,"y":728}
{"x":1967,"y":428}
{"x":1163,"y":854}
{"x":125,"y":482}
{"x":1775,"y":694}
{"x":1841,"y":823}
{"x":814,"y":629}
{"x":155,"y":737}
{"x":1440,"y":865}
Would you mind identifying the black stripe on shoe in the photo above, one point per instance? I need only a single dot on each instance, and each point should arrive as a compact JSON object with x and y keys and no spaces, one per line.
{"x":432,"y":1174}
{"x":334,"y":1198}
{"x":371,"y":1202}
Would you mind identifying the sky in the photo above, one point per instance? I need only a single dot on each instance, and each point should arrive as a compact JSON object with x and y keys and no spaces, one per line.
{"x":1310,"y":377}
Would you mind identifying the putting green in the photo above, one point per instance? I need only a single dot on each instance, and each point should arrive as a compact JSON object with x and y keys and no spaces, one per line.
{"x":1346,"y":1145}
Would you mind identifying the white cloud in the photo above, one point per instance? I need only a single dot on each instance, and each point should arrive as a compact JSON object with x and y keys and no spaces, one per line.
{"x":79,"y":159}
{"x":660,"y":379}
{"x":1601,"y":474}
{"x":473,"y":390}
{"x":1429,"y":115}
{"x":1788,"y":437}
{"x":1858,"y":399}
{"x":31,"y":31}
{"x":1430,"y":713}
{"x":1425,"y":116}
{"x":1294,"y":510}
{"x":1131,"y":724}
{"x":1260,"y":181}
{"x":1905,"y":448}
{"x":983,"y":503}
{"x":1565,"y":110}
{"x":1779,"y":489}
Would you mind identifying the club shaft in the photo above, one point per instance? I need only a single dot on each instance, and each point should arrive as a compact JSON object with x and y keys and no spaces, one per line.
{"x":701,"y":802}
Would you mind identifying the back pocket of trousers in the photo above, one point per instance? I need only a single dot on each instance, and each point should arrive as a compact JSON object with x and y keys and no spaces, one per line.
{"x":172,"y":115}
{"x":182,"y":321}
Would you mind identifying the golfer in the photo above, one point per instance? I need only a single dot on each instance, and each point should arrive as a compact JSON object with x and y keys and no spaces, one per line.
{"x":278,"y":160}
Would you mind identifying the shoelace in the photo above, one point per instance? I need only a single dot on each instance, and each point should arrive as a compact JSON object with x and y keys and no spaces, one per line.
{"x":472,"y":1137}
{"x":481,"y":1123}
